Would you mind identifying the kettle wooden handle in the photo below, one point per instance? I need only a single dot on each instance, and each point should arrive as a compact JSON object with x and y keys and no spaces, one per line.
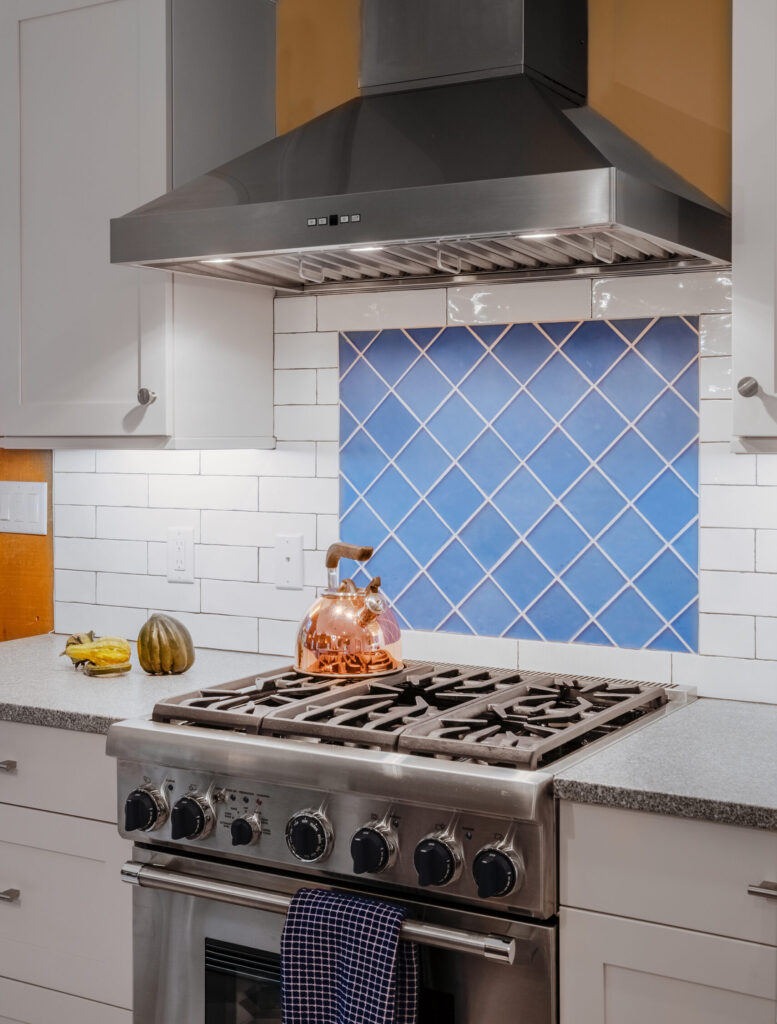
{"x":338,"y":551}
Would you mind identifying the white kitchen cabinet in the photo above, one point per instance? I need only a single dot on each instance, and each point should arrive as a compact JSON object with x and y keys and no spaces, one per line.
{"x":89,"y":97}
{"x":29,"y":1004}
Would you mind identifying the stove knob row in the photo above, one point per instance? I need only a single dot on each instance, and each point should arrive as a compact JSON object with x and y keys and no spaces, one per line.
{"x":497,"y":873}
{"x":145,"y":810}
{"x":192,"y":818}
{"x":246,"y":831}
{"x":373,"y":849}
{"x":309,"y":836}
{"x":437,"y":861}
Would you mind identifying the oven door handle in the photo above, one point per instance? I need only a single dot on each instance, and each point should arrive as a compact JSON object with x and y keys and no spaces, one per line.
{"x":500,"y":948}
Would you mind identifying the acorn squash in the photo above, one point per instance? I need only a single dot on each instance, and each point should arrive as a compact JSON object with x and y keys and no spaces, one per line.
{"x":165,"y":646}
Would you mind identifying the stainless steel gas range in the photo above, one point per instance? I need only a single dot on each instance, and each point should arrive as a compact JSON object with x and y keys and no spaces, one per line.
{"x":431,"y":786}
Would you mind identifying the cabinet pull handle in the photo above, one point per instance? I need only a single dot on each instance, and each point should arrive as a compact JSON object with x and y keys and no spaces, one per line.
{"x":9,"y":895}
{"x":766,"y":889}
{"x":146,"y":396}
{"x":7,"y":766}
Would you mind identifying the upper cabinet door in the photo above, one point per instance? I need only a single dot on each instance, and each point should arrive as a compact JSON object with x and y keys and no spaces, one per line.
{"x":83,"y":124}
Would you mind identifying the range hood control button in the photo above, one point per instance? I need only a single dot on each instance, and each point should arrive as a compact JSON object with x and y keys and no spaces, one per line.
{"x":246,"y":831}
{"x":144,"y":811}
{"x":192,"y":818}
{"x":309,"y":836}
{"x":435,"y":861}
{"x":497,"y":873}
{"x":372,"y":850}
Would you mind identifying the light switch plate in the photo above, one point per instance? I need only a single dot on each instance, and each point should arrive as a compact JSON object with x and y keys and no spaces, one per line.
{"x":23,"y":507}
{"x":289,"y":566}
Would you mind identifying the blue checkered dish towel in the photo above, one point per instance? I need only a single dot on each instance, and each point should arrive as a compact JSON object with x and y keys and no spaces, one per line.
{"x":342,"y":961}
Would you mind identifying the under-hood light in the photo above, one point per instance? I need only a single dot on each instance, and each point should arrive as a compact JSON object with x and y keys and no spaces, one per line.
{"x":368,"y":248}
{"x":219,"y":259}
{"x":537,"y":235}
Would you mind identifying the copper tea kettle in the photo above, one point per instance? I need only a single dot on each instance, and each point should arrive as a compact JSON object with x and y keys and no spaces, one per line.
{"x":349,"y":631}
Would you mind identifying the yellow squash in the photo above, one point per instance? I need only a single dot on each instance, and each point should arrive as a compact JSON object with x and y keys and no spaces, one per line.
{"x":101,"y":651}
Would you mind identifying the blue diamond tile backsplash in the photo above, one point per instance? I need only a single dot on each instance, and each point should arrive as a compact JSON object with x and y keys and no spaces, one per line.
{"x":528,"y":480}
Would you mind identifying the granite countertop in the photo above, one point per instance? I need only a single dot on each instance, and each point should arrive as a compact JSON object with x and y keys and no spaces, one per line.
{"x":38,"y":687}
{"x":712,"y":759}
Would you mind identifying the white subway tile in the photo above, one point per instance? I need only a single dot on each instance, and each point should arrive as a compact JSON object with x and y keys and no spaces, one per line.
{"x":256,"y":529}
{"x":707,"y":291}
{"x":295,"y":387}
{"x":728,"y":550}
{"x":361,"y":311}
{"x":715,"y":377}
{"x":315,"y":569}
{"x":267,"y":564}
{"x":328,"y":531}
{"x":74,"y":460}
{"x":738,"y":506}
{"x":766,"y":639}
{"x":74,"y":586}
{"x":290,"y":494}
{"x":328,"y":387}
{"x":294,"y":314}
{"x":147,"y":592}
{"x":767,"y":469}
{"x":591,"y":659}
{"x":74,"y":520}
{"x":255,"y":599}
{"x":147,"y":461}
{"x":145,"y":523}
{"x":226,"y":562}
{"x":327,"y":458}
{"x":101,"y":489}
{"x":738,"y":593}
{"x":715,"y":423}
{"x":494,"y":652}
{"x":766,"y":550}
{"x":157,"y":558}
{"x":101,"y":555}
{"x":277,"y":636}
{"x":715,"y":334}
{"x":307,"y":422}
{"x":730,"y":636}
{"x":222,"y":632}
{"x":288,"y":458}
{"x":306,"y":351}
{"x":719,"y":465}
{"x":727,"y":678}
{"x":105,"y":621}
{"x":516,"y":303}
{"x":239,"y":493}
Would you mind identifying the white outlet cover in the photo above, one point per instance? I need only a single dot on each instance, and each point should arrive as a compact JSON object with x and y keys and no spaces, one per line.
{"x":23,"y":507}
{"x":289,"y":563}
{"x":180,"y":554}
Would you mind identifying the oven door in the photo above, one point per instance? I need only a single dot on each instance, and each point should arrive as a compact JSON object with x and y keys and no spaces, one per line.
{"x":202,"y":958}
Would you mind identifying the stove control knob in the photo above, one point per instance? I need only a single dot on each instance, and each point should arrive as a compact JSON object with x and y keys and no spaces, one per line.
{"x":372,"y":849}
{"x":192,"y":818}
{"x":246,"y":831}
{"x":144,"y":811}
{"x":309,"y":836}
{"x":497,"y":873}
{"x":436,"y":861}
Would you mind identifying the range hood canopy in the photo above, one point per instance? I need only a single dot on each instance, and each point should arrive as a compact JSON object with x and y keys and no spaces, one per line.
{"x":468,"y":155}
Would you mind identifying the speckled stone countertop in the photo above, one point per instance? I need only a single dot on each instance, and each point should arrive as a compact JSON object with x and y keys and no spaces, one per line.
{"x":40,"y":688}
{"x":712,"y":759}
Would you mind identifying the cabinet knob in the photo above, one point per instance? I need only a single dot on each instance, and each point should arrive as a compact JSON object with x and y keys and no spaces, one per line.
{"x":10,"y":895}
{"x":7,"y":766}
{"x":146,"y":396}
{"x":747,"y":387}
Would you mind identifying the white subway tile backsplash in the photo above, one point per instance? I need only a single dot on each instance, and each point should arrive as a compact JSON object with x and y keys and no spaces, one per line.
{"x":295,"y":314}
{"x":719,"y":465}
{"x":715,"y":331}
{"x":145,"y":523}
{"x":279,"y":494}
{"x":305,"y":351}
{"x":733,"y":678}
{"x":147,"y":461}
{"x":295,"y":387}
{"x":288,"y":458}
{"x":707,"y":291}
{"x":727,"y":635}
{"x":239,"y":493}
{"x":147,"y":592}
{"x":307,"y":422}
{"x":766,"y":639}
{"x":715,"y":377}
{"x":74,"y":586}
{"x":496,"y":652}
{"x":649,"y":666}
{"x":727,"y":550}
{"x":327,"y":458}
{"x":261,"y":600}
{"x":74,"y":460}
{"x":767,"y":469}
{"x":101,"y":555}
{"x":315,"y":569}
{"x":277,"y":636}
{"x":211,"y":561}
{"x":516,"y":303}
{"x":738,"y":593}
{"x":223,"y":632}
{"x":74,"y":520}
{"x":101,"y":489}
{"x":738,"y":506}
{"x":715,"y":422}
{"x":256,"y":529}
{"x":327,"y":532}
{"x":70,"y":617}
{"x":361,"y":311}
{"x":766,"y":550}
{"x":328,"y":387}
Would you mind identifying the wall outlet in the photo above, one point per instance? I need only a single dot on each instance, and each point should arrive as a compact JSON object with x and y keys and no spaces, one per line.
{"x":23,"y":507}
{"x":180,"y":554}
{"x":289,"y":565}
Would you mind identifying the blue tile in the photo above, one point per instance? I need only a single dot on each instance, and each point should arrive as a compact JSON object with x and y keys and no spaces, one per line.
{"x":347,"y":354}
{"x":488,"y":333}
{"x":391,"y":354}
{"x":558,"y":386}
{"x":489,"y":461}
{"x":455,"y":498}
{"x":394,"y":566}
{"x":687,"y":545}
{"x":594,"y":424}
{"x":669,"y":345}
{"x":668,"y":505}
{"x":667,"y":641}
{"x":360,"y":339}
{"x":593,"y":635}
{"x":360,"y":526}
{"x":557,"y":540}
{"x":630,"y":542}
{"x":455,"y":624}
{"x":347,"y":495}
{"x":667,"y":584}
{"x":593,"y":580}
{"x":423,"y":388}
{"x":488,"y":611}
{"x":347,"y":424}
{"x":522,"y":629}
{"x":669,"y":425}
{"x":631,"y":328}
{"x":423,"y":533}
{"x":522,"y":500}
{"x":629,"y":620}
{"x":391,"y":425}
{"x":423,"y":606}
{"x":423,"y":461}
{"x":560,"y":329}
{"x":558,"y":463}
{"x":630,"y":464}
{"x":523,"y":349}
{"x":556,"y":615}
{"x":688,"y":384}
{"x":687,"y":465}
{"x":455,"y":572}
{"x":593,"y":348}
{"x":455,"y":352}
{"x":488,"y":536}
{"x":424,"y":335}
{"x":488,"y":387}
{"x":361,"y":461}
{"x":593,"y":502}
{"x":631,"y":385}
{"x":686,"y":625}
{"x":523,"y":424}
{"x":455,"y":425}
{"x":522,"y":576}
{"x":361,"y":389}
{"x":391,"y":496}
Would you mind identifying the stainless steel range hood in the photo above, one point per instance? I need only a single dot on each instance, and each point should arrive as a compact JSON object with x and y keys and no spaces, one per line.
{"x":469,"y":154}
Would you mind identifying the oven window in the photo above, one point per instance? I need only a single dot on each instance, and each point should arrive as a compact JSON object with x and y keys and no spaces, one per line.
{"x":242,"y":985}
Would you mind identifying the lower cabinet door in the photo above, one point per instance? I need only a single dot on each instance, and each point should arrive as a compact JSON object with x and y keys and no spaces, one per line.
{"x":26,"y":1004}
{"x":70,"y":927}
{"x":613,"y":970}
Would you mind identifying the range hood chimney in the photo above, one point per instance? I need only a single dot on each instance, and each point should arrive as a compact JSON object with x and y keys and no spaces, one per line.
{"x":470,"y":154}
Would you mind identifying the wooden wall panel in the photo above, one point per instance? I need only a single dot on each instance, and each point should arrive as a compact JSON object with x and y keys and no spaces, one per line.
{"x":26,"y":561}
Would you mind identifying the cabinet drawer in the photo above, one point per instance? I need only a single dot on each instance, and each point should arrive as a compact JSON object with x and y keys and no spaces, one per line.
{"x":26,"y":1004}
{"x":58,"y":770}
{"x":691,"y":874}
{"x":71,"y":927}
